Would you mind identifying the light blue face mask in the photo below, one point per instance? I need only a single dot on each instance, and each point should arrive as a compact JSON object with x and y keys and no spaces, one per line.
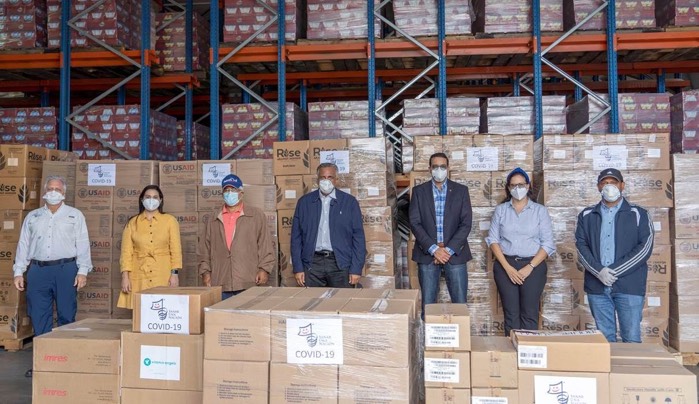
{"x":231,"y":198}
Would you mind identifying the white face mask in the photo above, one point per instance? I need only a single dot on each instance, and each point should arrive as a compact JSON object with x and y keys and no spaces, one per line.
{"x":53,"y":197}
{"x":439,"y":174}
{"x":326,"y":186}
{"x":611,"y":193}
{"x":519,"y":193}
{"x":151,"y":204}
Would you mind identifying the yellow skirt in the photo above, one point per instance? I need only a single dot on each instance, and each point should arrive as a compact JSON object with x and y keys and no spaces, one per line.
{"x":148,"y":275}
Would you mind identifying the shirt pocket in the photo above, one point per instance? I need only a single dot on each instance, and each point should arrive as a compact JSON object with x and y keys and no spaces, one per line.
{"x":67,"y":225}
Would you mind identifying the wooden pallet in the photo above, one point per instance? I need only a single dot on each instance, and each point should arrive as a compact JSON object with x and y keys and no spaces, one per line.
{"x":16,"y":344}
{"x":690,"y":358}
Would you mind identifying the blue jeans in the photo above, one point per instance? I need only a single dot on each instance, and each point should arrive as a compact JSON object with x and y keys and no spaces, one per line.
{"x":628,"y":308}
{"x":457,"y":282}
{"x":226,"y":295}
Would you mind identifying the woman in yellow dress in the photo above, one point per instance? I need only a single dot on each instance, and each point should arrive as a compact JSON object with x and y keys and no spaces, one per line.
{"x":151,"y":252}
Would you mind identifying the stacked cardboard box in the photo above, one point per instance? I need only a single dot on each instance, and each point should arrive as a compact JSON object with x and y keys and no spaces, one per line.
{"x":288,"y":343}
{"x":567,"y":167}
{"x":493,"y":370}
{"x":340,"y":120}
{"x":638,"y":113}
{"x":421,"y":117}
{"x":170,"y":45}
{"x":419,"y":18}
{"x":684,"y":122}
{"x":117,"y":23}
{"x":201,"y":145}
{"x":164,"y":351}
{"x":242,"y":18}
{"x":629,"y":14}
{"x":364,"y":173}
{"x":32,"y":126}
{"x":447,"y":357}
{"x":120,"y":126}
{"x":515,"y":115}
{"x":79,"y":362}
{"x":341,"y":19}
{"x":501,"y":16}
{"x":241,"y":121}
{"x":23,"y":24}
{"x":677,"y":13}
{"x":684,"y":315}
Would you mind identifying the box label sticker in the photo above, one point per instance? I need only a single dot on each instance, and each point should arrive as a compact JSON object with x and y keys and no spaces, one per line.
{"x":160,"y":362}
{"x":166,"y":314}
{"x":442,"y":335}
{"x":12,"y":162}
{"x":570,"y":390}
{"x":213,"y":173}
{"x":610,"y":157}
{"x":482,"y":159}
{"x":559,"y":154}
{"x":101,"y":175}
{"x":532,"y":357}
{"x":8,"y":225}
{"x":489,"y":400}
{"x":341,"y":158}
{"x":520,"y":156}
{"x":372,"y":191}
{"x":441,"y":370}
{"x":314,"y":341}
{"x":380,"y":258}
{"x":654,"y":153}
{"x":653,"y":301}
{"x":290,"y":194}
{"x":457,"y":155}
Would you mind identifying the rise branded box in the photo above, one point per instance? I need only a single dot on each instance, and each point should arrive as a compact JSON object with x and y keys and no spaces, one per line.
{"x":567,"y":351}
{"x":303,"y":383}
{"x":316,"y":147}
{"x":173,"y":310}
{"x":376,"y":384}
{"x":232,"y":382}
{"x":546,"y":386}
{"x":493,"y":363}
{"x":447,"y":369}
{"x":162,"y":361}
{"x":291,"y":158}
{"x":59,"y":388}
{"x":21,"y":161}
{"x":20,"y":193}
{"x":378,"y":223}
{"x":447,"y":327}
{"x":155,"y":395}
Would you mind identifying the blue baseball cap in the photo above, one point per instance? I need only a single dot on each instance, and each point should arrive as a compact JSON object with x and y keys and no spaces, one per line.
{"x":232,"y":180}
{"x":520,"y":172}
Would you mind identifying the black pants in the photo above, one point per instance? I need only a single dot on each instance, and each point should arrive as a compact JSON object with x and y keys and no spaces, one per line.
{"x":324,"y":272}
{"x":520,"y":303}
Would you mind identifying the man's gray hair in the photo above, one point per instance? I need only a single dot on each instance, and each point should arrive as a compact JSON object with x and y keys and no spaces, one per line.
{"x":327,"y":165}
{"x":56,"y":178}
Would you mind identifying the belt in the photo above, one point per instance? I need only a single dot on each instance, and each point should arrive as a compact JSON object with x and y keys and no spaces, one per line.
{"x":52,"y":263}
{"x":325,"y":253}
{"x":516,"y":258}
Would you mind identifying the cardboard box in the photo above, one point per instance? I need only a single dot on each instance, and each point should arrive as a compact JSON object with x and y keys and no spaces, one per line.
{"x":262,"y":196}
{"x":368,"y":155}
{"x":493,"y":362}
{"x":238,"y":329}
{"x":482,"y":395}
{"x":95,"y":302}
{"x":20,"y":161}
{"x":255,"y":171}
{"x":546,"y":386}
{"x":284,"y":222}
{"x":686,"y":221}
{"x":286,"y":271}
{"x":289,"y":190}
{"x":99,"y":224}
{"x":447,"y":327}
{"x":391,"y":294}
{"x":101,"y":275}
{"x":7,"y":258}
{"x":209,"y":199}
{"x":378,"y":332}
{"x":554,"y":321}
{"x":87,"y":346}
{"x":660,"y":264}
{"x":94,"y":199}
{"x":376,"y":385}
{"x":447,"y":369}
{"x":378,"y":223}
{"x":581,"y":351}
{"x":14,"y":322}
{"x":162,"y":361}
{"x":181,"y":199}
{"x":173,"y":310}
{"x":652,"y":381}
{"x":661,"y":225}
{"x":302,"y":383}
{"x":380,"y":258}
{"x":683,"y":336}
{"x":330,"y":145}
{"x":233,"y":382}
{"x":291,"y":158}
{"x":479,"y":185}
{"x":621,"y":352}
{"x":178,"y":173}
{"x":126,"y":198}
{"x":649,"y":188}
{"x":657,"y":302}
{"x":156,"y":395}
{"x":434,"y":395}
{"x":11,"y":224}
{"x":53,"y":155}
{"x":20,"y":193}
{"x":9,"y":295}
{"x":136,"y":173}
{"x":51,"y":387}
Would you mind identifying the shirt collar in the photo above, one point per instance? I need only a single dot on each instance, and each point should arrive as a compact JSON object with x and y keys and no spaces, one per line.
{"x":444,"y":186}
{"x":613,"y":209}
{"x":529,"y":204}
{"x":322,"y":197}
{"x":156,"y":215}
{"x":240,"y":212}
{"x":60,"y":208}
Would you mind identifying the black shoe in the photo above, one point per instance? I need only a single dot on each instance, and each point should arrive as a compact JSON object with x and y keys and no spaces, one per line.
{"x":28,"y":373}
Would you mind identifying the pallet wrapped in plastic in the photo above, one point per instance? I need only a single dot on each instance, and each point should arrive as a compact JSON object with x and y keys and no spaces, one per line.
{"x":558,"y":297}
{"x":677,"y":13}
{"x":507,"y":16}
{"x":629,"y":14}
{"x":242,"y":18}
{"x":421,"y":116}
{"x":32,"y":126}
{"x":341,"y":120}
{"x":370,"y":155}
{"x":419,"y":17}
{"x":170,"y":45}
{"x":487,"y":325}
{"x":563,"y":263}
{"x":340,"y":19}
{"x":554,"y":321}
{"x":201,"y":146}
{"x":584,"y":111}
{"x":22,"y":24}
{"x":515,"y":115}
{"x":684,"y":118}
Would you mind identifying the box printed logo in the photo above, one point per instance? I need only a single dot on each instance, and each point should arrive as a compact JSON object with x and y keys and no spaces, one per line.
{"x":307,"y":332}
{"x":557,"y":390}
{"x":160,"y":308}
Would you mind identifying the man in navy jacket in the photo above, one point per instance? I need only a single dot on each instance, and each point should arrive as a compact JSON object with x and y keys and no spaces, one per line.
{"x":327,"y":236}
{"x":440,"y":218}
{"x":614,"y":240}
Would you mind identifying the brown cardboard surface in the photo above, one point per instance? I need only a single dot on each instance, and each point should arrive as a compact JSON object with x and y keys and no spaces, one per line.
{"x":479,"y":185}
{"x":178,"y":173}
{"x":94,"y":199}
{"x":302,"y":383}
{"x":450,"y":326}
{"x":645,"y":351}
{"x":410,"y":295}
{"x":194,"y":298}
{"x":14,"y":322}
{"x":9,"y":295}
{"x":21,"y":161}
{"x":655,"y":330}
{"x":234,"y":382}
{"x":95,"y":302}
{"x":87,"y":346}
{"x":255,"y":171}
{"x":686,"y":221}
{"x":559,"y":322}
{"x":164,"y":396}
{"x":261,"y":196}
{"x":660,"y":264}
{"x":136,"y":174}
{"x":53,"y":155}
{"x":284,"y":221}
{"x":649,"y":188}
{"x":652,"y":381}
{"x":20,"y":193}
{"x":209,"y":198}
{"x":289,"y":190}
{"x":657,"y":300}
{"x":317,"y":146}
{"x":180,"y":199}
{"x":581,"y":351}
{"x":375,"y":385}
{"x":378,"y":223}
{"x":11,"y":224}
{"x":381,"y":258}
{"x":447,"y":369}
{"x":69,"y":388}
{"x":150,"y":361}
{"x":481,"y":395}
{"x":434,"y":395}
{"x":292,"y":158}
{"x":99,"y":224}
{"x":7,"y":258}
{"x":661,"y":225}
{"x":527,"y":380}
{"x":493,"y":362}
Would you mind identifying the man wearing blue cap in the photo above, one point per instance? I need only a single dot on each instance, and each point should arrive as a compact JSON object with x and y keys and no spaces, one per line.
{"x":236,"y":249}
{"x":614,"y":240}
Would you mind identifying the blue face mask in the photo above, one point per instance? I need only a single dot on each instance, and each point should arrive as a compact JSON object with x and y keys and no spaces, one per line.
{"x":231,"y":198}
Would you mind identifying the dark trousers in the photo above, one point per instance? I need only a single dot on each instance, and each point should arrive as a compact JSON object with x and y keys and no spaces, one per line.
{"x":48,"y":284}
{"x":324,"y":272}
{"x":226,"y":295}
{"x":520,"y":303}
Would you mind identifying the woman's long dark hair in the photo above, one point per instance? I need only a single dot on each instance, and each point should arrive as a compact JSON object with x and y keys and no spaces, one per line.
{"x":508,"y":195}
{"x":141,"y":208}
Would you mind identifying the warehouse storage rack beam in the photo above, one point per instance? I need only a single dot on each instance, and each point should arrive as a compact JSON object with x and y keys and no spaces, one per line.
{"x":218,"y":70}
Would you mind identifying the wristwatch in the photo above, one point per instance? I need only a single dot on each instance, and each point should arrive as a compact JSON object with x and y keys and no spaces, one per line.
{"x":174,"y":271}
